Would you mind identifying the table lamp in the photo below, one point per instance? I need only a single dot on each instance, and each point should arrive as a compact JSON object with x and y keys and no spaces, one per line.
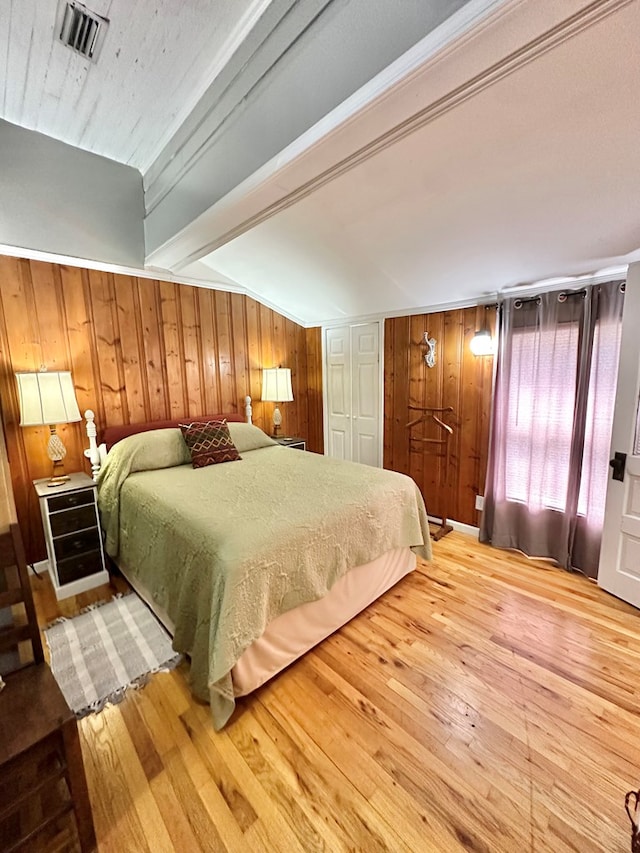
{"x":49,"y":398}
{"x":276,"y":388}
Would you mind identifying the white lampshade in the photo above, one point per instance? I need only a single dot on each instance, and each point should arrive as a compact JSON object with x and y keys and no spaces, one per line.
{"x":276,"y":385}
{"x":47,"y":398}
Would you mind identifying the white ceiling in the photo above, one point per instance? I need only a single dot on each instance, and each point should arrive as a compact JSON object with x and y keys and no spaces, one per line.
{"x":157,"y":61}
{"x":533,"y":174}
{"x":534,"y":177}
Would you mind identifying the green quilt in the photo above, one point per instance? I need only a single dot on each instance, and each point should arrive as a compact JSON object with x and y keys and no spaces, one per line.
{"x":225,"y":549}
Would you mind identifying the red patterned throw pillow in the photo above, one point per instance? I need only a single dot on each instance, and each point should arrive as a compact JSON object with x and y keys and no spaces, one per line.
{"x":209,"y":443}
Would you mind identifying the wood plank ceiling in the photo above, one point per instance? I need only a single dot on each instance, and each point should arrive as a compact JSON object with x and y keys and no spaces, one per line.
{"x":157,"y":59}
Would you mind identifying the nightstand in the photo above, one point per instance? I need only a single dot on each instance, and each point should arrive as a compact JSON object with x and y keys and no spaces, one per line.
{"x":72,"y":533}
{"x":296,"y":443}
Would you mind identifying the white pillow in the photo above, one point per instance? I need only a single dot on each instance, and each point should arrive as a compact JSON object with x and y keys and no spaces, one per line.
{"x":248,"y":437}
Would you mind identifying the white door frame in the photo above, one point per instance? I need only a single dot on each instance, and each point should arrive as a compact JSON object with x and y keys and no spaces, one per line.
{"x":621,"y":520}
{"x":325,"y":408}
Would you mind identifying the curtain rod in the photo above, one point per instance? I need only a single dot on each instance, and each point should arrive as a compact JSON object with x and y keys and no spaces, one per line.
{"x":563,"y":295}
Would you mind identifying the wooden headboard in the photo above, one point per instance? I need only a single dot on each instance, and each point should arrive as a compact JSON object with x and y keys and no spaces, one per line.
{"x":110,"y":435}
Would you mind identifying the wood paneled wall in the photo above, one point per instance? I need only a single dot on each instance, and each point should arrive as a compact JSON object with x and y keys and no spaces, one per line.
{"x":140,"y":350}
{"x":459,"y":379}
{"x":315,"y":429}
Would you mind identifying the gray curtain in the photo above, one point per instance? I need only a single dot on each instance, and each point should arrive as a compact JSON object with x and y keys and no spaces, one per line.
{"x":551,"y":424}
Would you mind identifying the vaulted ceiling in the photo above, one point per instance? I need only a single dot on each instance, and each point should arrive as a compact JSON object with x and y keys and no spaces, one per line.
{"x":343,"y":159}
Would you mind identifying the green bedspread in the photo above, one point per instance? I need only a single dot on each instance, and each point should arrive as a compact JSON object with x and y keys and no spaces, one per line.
{"x":225,"y":549}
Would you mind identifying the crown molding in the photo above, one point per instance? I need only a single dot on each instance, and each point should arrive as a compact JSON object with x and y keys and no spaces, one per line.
{"x":568,"y":282}
{"x":264,"y":194}
{"x":176,"y":254}
{"x":488,"y":298}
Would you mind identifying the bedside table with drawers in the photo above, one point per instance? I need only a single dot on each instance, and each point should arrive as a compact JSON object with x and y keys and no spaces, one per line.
{"x":296,"y":443}
{"x":72,"y":533}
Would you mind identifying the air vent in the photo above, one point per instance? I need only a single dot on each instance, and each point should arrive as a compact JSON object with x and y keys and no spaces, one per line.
{"x":82,"y":30}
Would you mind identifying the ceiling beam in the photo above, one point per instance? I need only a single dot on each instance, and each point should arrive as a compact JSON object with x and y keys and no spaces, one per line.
{"x":316,"y":56}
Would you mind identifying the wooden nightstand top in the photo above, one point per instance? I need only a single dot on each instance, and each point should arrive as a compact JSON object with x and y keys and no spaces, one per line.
{"x":79,"y":480}
{"x":289,"y":441}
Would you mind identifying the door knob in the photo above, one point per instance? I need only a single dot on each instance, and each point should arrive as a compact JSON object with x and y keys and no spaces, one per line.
{"x":618,"y":464}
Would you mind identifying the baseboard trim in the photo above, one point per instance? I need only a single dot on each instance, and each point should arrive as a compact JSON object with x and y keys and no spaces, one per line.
{"x":459,"y":526}
{"x":39,"y":568}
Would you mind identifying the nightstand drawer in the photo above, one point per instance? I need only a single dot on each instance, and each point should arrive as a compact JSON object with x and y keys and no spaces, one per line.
{"x":73,"y":519}
{"x":71,"y":499}
{"x":77,"y":543}
{"x":74,"y":568}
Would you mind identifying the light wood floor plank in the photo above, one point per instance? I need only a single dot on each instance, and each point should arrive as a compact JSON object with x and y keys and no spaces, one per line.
{"x":149,"y":815}
{"x":486,"y":703}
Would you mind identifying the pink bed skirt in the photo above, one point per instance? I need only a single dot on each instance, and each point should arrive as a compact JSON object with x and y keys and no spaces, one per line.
{"x":293,"y":633}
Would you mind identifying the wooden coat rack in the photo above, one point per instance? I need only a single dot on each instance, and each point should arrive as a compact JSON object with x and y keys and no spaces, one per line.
{"x":430,"y":414}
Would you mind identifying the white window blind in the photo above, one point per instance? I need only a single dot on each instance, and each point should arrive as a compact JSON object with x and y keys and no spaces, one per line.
{"x":540,"y":421}
{"x":541,"y":414}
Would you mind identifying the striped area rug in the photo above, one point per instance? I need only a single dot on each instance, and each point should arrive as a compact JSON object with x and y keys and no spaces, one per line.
{"x":97,"y":655}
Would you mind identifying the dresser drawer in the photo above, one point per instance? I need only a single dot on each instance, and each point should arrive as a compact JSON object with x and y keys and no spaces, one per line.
{"x":73,"y":519}
{"x":74,"y":568}
{"x":77,"y":543}
{"x":71,"y":499}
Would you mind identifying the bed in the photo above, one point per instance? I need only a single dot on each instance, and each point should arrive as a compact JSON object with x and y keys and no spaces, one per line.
{"x":250,"y":563}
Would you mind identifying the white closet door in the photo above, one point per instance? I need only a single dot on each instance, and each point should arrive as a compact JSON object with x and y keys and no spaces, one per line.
{"x":365,"y":393}
{"x":338,"y":395}
{"x":353,"y":393}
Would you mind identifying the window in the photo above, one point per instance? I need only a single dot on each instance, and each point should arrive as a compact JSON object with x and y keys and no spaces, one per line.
{"x":540,"y":423}
{"x":551,"y":428}
{"x":539,"y":428}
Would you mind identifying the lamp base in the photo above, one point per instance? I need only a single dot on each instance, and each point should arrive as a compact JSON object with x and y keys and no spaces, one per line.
{"x":56,"y":451}
{"x":58,"y":480}
{"x":277,"y":421}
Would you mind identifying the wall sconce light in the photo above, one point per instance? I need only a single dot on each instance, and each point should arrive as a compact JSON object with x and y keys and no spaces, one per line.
{"x":482,"y":343}
{"x":276,"y":388}
{"x":49,"y":399}
{"x":430,"y":354}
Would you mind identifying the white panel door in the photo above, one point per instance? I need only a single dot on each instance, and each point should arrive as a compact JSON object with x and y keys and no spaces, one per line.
{"x":365,"y":393}
{"x":338,"y":377}
{"x":619,"y":570}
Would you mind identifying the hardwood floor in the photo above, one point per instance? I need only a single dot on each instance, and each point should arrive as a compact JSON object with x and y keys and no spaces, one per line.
{"x":486,"y":703}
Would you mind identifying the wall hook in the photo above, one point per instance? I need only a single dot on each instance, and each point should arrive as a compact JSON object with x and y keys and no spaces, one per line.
{"x":430,"y":355}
